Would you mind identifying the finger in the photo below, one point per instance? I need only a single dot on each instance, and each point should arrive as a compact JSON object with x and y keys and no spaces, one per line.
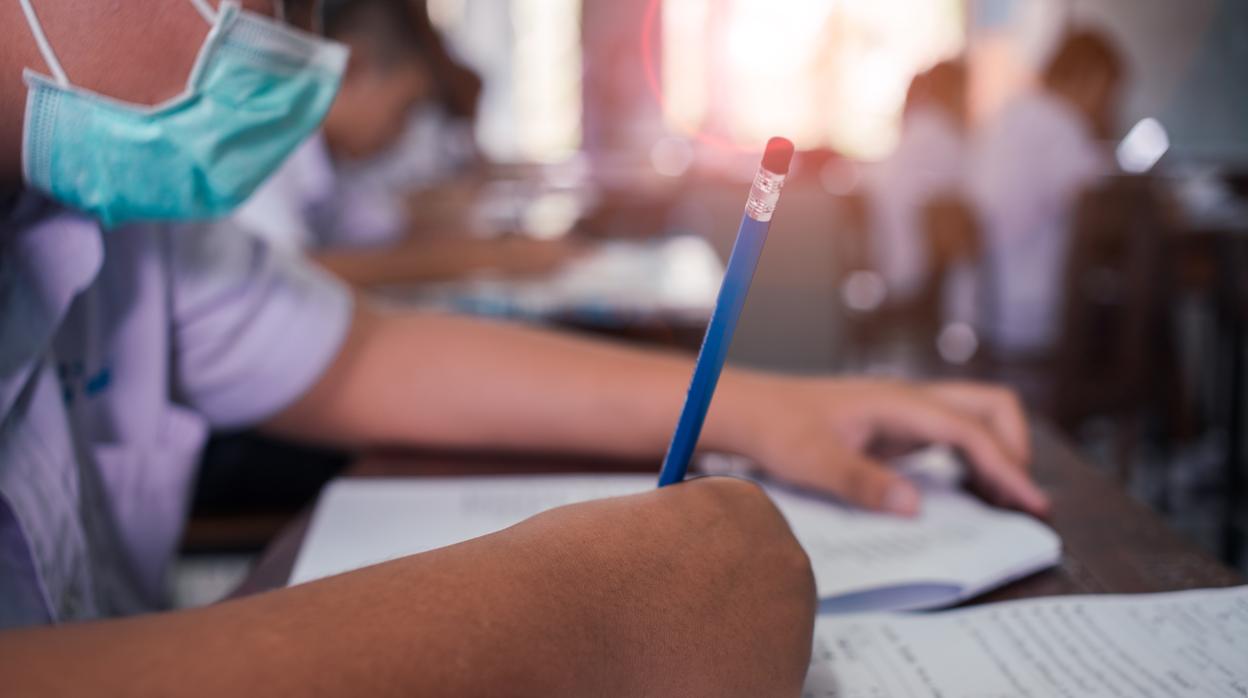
{"x":996,"y":469}
{"x":996,"y":406}
{"x":989,"y":492}
{"x":860,"y":480}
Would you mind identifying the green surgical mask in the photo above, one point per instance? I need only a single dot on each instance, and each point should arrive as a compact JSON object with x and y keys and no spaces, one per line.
{"x":259,"y":88}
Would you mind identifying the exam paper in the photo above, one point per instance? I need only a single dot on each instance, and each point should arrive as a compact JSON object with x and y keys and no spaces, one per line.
{"x":1192,"y":643}
{"x":957,"y":548}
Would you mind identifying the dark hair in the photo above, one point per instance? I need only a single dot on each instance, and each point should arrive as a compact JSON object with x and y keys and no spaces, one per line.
{"x":943,"y":85}
{"x":1082,"y":50}
{"x":400,"y":30}
{"x":390,"y":27}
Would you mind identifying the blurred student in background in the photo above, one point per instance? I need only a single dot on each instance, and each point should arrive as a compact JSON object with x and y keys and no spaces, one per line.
{"x":402,"y":121}
{"x":1028,"y":168}
{"x":929,"y":162}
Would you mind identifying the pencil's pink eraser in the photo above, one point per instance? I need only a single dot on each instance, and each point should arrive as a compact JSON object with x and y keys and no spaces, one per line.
{"x":778,"y":155}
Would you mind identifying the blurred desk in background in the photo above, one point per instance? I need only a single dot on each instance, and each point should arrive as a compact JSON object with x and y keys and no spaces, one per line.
{"x":661,"y":290}
{"x":1112,"y":544}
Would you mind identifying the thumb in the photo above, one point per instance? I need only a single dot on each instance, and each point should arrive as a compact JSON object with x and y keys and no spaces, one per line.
{"x":865,"y":482}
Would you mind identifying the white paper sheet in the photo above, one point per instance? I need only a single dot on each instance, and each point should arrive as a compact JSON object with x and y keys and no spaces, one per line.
{"x":957,"y":548}
{"x":1148,"y":646}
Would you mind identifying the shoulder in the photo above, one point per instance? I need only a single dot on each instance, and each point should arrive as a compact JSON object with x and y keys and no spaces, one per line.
{"x":48,"y":256}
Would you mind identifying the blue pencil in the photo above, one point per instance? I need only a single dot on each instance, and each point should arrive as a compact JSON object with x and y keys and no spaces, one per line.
{"x":732,"y":293}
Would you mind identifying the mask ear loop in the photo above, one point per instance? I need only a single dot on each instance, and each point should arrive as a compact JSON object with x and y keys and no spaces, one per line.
{"x":49,"y":57}
{"x":210,"y":15}
{"x":205,"y":10}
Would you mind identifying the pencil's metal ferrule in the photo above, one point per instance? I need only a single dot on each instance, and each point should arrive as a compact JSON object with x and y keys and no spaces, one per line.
{"x":764,"y":195}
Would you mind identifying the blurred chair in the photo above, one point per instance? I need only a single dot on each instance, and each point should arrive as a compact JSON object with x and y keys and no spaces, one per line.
{"x":791,"y":320}
{"x":953,"y":240}
{"x":1115,"y":358}
{"x":852,"y":244}
{"x":1112,"y":335}
{"x":861,"y":290}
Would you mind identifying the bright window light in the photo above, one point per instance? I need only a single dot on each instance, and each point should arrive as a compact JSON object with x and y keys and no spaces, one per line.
{"x":528,"y":52}
{"x":547,"y":77}
{"x":826,"y":73}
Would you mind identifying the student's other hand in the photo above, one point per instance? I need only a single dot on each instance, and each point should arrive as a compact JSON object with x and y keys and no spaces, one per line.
{"x":698,"y":589}
{"x":823,"y":434}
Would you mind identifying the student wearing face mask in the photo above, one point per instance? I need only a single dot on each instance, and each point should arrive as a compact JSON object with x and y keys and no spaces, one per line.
{"x":127,"y":330}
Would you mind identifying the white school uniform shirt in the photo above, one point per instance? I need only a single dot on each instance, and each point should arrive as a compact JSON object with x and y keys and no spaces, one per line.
{"x":433,"y":146}
{"x":312,"y":203}
{"x":305,"y":206}
{"x":1029,"y":166}
{"x":929,"y":162}
{"x":119,"y":349}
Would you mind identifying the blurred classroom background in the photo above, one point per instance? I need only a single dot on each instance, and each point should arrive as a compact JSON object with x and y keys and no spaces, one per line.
{"x":1049,"y":193}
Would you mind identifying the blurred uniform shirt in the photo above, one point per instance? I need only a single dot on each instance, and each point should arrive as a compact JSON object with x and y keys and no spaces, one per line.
{"x":1028,"y":168}
{"x":313,"y":203}
{"x":929,"y":162}
{"x":306,"y":206}
{"x":119,"y":350}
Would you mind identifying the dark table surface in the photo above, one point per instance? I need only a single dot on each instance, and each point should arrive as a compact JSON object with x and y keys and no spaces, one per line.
{"x":1112,"y":543}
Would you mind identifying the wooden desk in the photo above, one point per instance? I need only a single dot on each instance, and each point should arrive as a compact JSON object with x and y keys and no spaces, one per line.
{"x":1112,"y":543}
{"x":658,"y":291}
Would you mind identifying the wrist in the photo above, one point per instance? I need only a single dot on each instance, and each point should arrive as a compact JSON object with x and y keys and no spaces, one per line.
{"x":745,"y":412}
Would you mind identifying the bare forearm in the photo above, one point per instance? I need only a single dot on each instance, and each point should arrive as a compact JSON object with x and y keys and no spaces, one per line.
{"x":413,"y":627}
{"x":442,"y":259}
{"x":449,"y":381}
{"x":584,"y":600}
{"x":424,"y":379}
{"x":402,"y":265}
